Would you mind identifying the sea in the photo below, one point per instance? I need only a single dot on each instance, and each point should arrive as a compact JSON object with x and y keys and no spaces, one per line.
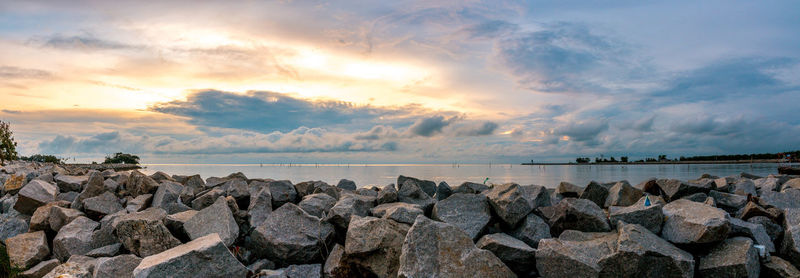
{"x":454,"y":174}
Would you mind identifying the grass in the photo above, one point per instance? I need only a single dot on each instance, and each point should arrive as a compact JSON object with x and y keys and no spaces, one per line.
{"x":6,"y":270}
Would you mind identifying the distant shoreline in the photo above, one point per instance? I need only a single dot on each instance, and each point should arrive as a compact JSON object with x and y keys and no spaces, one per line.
{"x":754,"y":161}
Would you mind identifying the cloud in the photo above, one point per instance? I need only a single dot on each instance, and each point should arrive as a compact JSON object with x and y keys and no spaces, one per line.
{"x":80,"y":42}
{"x":378,"y":132}
{"x":428,"y":127}
{"x":488,"y":29}
{"x":475,"y":129}
{"x":583,"y":131}
{"x":10,"y":72}
{"x":62,"y":144}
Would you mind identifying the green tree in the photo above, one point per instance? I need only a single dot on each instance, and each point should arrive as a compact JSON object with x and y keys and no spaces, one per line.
{"x":8,"y":148}
{"x":125,"y":158}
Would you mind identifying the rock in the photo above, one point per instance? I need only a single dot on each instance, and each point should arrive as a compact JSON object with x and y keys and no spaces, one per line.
{"x":734,"y":257}
{"x":640,"y":253}
{"x":161,"y":177}
{"x":790,"y":246}
{"x":778,"y":268}
{"x":347,"y":206}
{"x":787,"y":198}
{"x":367,"y":191}
{"x":574,"y":254}
{"x":699,"y":197}
{"x":318,"y":204}
{"x":70,"y":183}
{"x":139,"y":203}
{"x":40,"y":270}
{"x":650,"y":217}
{"x":260,"y":207}
{"x":767,"y":184}
{"x":399,"y":212}
{"x":429,"y":187}
{"x":412,"y":194}
{"x":675,"y":189}
{"x":216,"y":218}
{"x":139,"y":184}
{"x":175,"y":222}
{"x":195,"y":182}
{"x":74,"y":238}
{"x":443,"y":191}
{"x":514,"y":253}
{"x":755,"y":232}
{"x":40,"y":220}
{"x":373,"y":246}
{"x":294,"y":271}
{"x":731,"y":203}
{"x":538,"y":195}
{"x":333,"y":264}
{"x":207,"y":198}
{"x":307,"y":187}
{"x":510,"y":203}
{"x":596,"y":193}
{"x":282,"y":192}
{"x":792,"y":183}
{"x":291,"y":235}
{"x":119,"y":266}
{"x":239,"y":190}
{"x":471,"y":188}
{"x":62,"y":216}
{"x":690,"y":222}
{"x":70,"y":270}
{"x":168,"y":198}
{"x":35,"y":194}
{"x":105,"y":251}
{"x":215,"y":181}
{"x":568,"y":190}
{"x":744,"y":186}
{"x":102,"y":205}
{"x":387,"y":194}
{"x":12,"y":225}
{"x":435,"y":249}
{"x":532,"y":230}
{"x":13,"y":184}
{"x":327,"y":189}
{"x":143,"y":233}
{"x":724,"y":184}
{"x":774,"y":230}
{"x":469,"y":212}
{"x":205,"y":256}
{"x":94,"y":187}
{"x":623,"y":194}
{"x":260,"y":264}
{"x":27,"y":250}
{"x":110,"y":185}
{"x":346,"y":184}
{"x":751,"y":209}
{"x":575,"y":214}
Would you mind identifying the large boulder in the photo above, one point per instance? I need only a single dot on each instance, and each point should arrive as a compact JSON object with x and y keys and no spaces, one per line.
{"x":144,"y":233}
{"x":731,"y":203}
{"x":690,"y":222}
{"x":650,"y":217}
{"x":568,"y":190}
{"x":532,"y":230}
{"x":168,"y":197}
{"x":203,"y":257}
{"x":767,"y":184}
{"x":13,"y":184}
{"x":640,"y":253}
{"x":436,"y":249}
{"x":40,"y":220}
{"x":27,"y":250}
{"x":291,"y":235}
{"x":70,"y":270}
{"x":346,"y":184}
{"x":595,"y":192}
{"x":139,"y":203}
{"x":623,"y":194}
{"x":40,"y":270}
{"x":575,"y":214}
{"x":60,"y":216}
{"x":94,"y":187}
{"x":318,"y":204}
{"x":35,"y":194}
{"x":755,"y":232}
{"x":282,"y":192}
{"x":387,"y":194}
{"x":469,"y":212}
{"x":470,"y":187}
{"x":514,"y":253}
{"x":792,"y":183}
{"x":101,"y":205}
{"x":216,"y":218}
{"x":138,"y":184}
{"x":787,"y":198}
{"x":372,"y":247}
{"x":734,"y":257}
{"x":175,"y":222}
{"x":574,"y":254}
{"x":70,"y":183}
{"x":510,"y":202}
{"x":675,"y":189}
{"x":74,"y":238}
{"x":443,"y":191}
{"x":347,"y":206}
{"x":774,"y":230}
{"x":744,"y":186}
{"x":790,"y":246}
{"x":429,"y":187}
{"x":412,"y":194}
{"x":399,"y":212}
{"x":119,"y":266}
{"x":207,"y":198}
{"x":776,"y":267}
{"x":260,"y":206}
{"x":11,"y":225}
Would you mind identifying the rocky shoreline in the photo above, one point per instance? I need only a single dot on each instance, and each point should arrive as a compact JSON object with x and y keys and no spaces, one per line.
{"x":87,"y":223}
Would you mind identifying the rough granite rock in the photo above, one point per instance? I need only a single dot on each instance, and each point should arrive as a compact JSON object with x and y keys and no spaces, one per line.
{"x":105,"y":251}
{"x":282,"y":192}
{"x":568,"y":190}
{"x":74,"y":238}
{"x":307,"y":187}
{"x":767,"y":184}
{"x":70,"y":183}
{"x":99,"y":206}
{"x":293,"y":271}
{"x":168,"y":198}
{"x":318,"y":204}
{"x":13,"y":184}
{"x":517,"y":255}
{"x":429,"y":187}
{"x":412,"y":194}
{"x":33,"y":195}
{"x":291,"y":235}
{"x":40,"y":220}
{"x":94,"y":187}
{"x":443,"y":191}
{"x":436,"y":249}
{"x":175,"y":222}
{"x":470,"y":187}
{"x":62,"y":216}
{"x":623,"y":194}
{"x":774,"y":230}
{"x":676,"y":189}
{"x":70,"y":270}
{"x":792,"y":183}
{"x":40,"y":270}
{"x":744,"y":186}
{"x":650,"y":217}
{"x":144,"y":233}
{"x":734,"y":257}
{"x":776,"y":267}
{"x":755,"y":232}
{"x":387,"y":194}
{"x":640,"y":253}
{"x":11,"y":225}
{"x":27,"y":250}
{"x":139,"y":203}
{"x":372,"y":246}
{"x":532,"y":230}
{"x":690,"y":222}
{"x":787,"y":198}
{"x":370,"y":191}
{"x":575,"y":214}
{"x":399,"y":212}
{"x":790,"y":246}
{"x":469,"y":212}
{"x":347,"y":206}
{"x":346,"y":184}
{"x":138,"y":184}
{"x":216,"y":218}
{"x":510,"y":202}
{"x":574,"y":254}
{"x":113,"y":267}
{"x":731,"y":203}
{"x":595,"y":192}
{"x":203,"y":257}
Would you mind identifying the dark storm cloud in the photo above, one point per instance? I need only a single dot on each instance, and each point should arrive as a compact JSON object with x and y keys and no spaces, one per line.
{"x":428,"y":127}
{"x":80,"y":42}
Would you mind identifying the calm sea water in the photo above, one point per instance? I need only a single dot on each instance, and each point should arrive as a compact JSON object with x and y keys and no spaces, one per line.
{"x":548,"y":176}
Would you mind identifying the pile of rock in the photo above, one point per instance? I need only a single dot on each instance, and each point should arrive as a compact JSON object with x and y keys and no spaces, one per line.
{"x":56,"y":221}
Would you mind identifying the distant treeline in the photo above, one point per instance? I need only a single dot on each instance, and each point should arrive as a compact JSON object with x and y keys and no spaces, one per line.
{"x":793,"y":156}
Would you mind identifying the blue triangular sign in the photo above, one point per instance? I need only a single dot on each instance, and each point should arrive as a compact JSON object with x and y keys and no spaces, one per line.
{"x":647,"y":201}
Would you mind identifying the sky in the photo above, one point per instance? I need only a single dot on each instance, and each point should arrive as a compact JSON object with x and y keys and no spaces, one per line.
{"x":399,"y":81}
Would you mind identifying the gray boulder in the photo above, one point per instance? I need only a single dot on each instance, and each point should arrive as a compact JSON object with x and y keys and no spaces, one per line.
{"x":790,"y":246}
{"x":70,"y":183}
{"x":436,"y":249}
{"x":429,"y":187}
{"x":203,"y":257}
{"x":373,"y":246}
{"x":216,"y":218}
{"x":755,"y":232}
{"x":514,"y":253}
{"x":347,"y":206}
{"x":62,"y":216}
{"x":399,"y":212}
{"x":71,"y":270}
{"x":260,"y":205}
{"x":318,"y":204}
{"x":568,"y":190}
{"x":33,"y":195}
{"x":27,"y":250}
{"x":574,"y":254}
{"x":307,"y":187}
{"x":387,"y":194}
{"x":774,"y":230}
{"x":776,"y":267}
{"x":622,"y":194}
{"x":94,"y":187}
{"x":767,"y":184}
{"x":443,"y":191}
{"x":792,"y":183}
{"x":650,"y":217}
{"x":469,"y":212}
{"x":74,"y":238}
{"x":787,"y":198}
{"x":101,"y":205}
{"x":370,"y":191}
{"x":734,"y":257}
{"x":291,"y":235}
{"x":744,"y":186}
{"x":11,"y":225}
{"x":282,"y":192}
{"x":346,"y":184}
{"x":175,"y":222}
{"x":113,"y":267}
{"x":640,"y":253}
{"x":139,"y":203}
{"x":575,"y":214}
{"x":675,"y":189}
{"x":139,"y":184}
{"x":595,"y":192}
{"x":144,"y":233}
{"x":40,"y":220}
{"x":510,"y":202}
{"x":105,"y":251}
{"x":731,"y":203}
{"x":690,"y":222}
{"x":168,"y":198}
{"x":412,"y":194}
{"x":532,"y":230}
{"x":470,"y":187}
{"x":207,"y":198}
{"x":40,"y":270}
